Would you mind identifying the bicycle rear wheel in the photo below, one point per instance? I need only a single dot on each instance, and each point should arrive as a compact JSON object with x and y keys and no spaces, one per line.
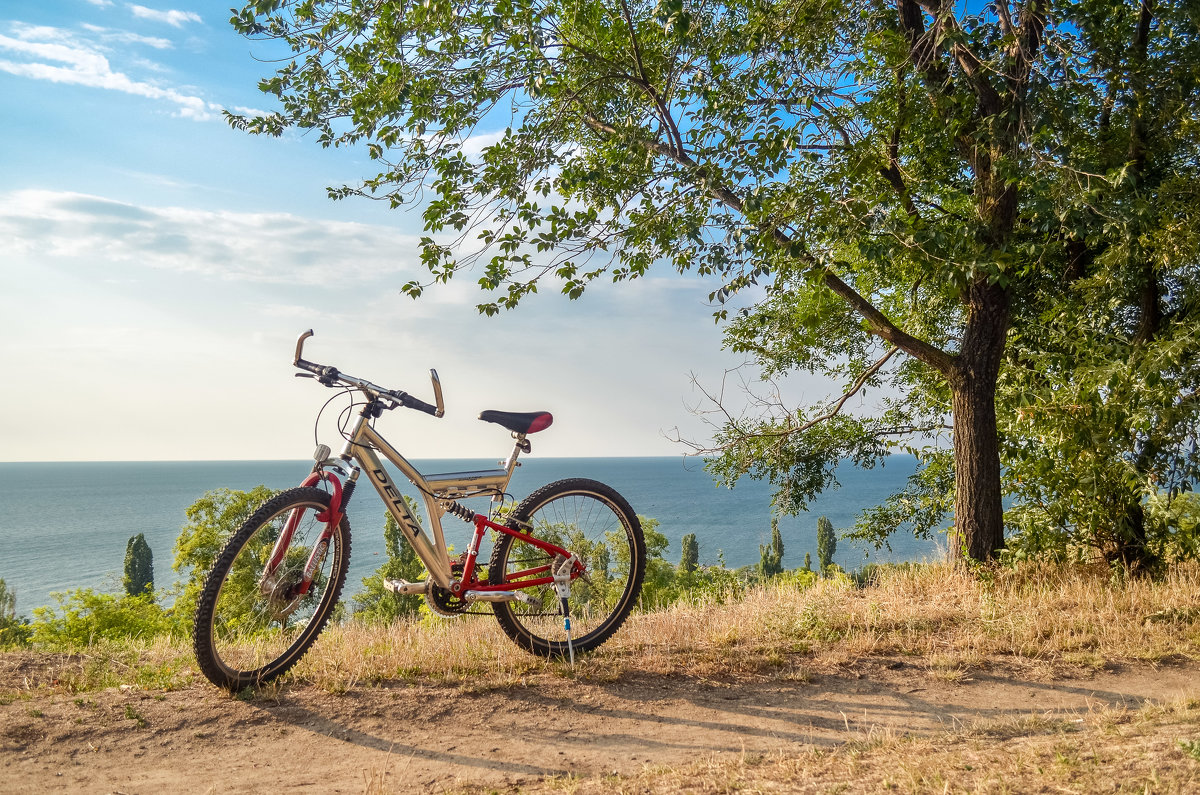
{"x":593,"y":521}
{"x":251,"y":628}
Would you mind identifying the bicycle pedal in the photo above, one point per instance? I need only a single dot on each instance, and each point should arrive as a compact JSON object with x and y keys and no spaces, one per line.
{"x":406,"y":588}
{"x":528,"y":598}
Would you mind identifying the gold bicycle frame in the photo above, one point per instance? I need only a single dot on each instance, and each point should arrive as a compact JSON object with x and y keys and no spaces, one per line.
{"x":435,"y":490}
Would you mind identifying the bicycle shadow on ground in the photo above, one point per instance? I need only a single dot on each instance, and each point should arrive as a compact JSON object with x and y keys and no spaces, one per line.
{"x":395,"y":741}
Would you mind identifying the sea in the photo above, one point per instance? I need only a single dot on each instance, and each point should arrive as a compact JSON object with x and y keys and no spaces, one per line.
{"x":66,"y":525}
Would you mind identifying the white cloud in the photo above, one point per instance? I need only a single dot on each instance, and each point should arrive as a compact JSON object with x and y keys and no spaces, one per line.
{"x":294,"y":312}
{"x":474,"y":145}
{"x":56,"y":56}
{"x":248,"y":112}
{"x":128,"y":37}
{"x":176,"y":19}
{"x":131,"y":299}
{"x":265,"y":248}
{"x":101,"y":3}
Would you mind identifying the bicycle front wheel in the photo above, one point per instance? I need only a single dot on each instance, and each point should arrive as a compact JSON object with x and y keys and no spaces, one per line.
{"x":253,"y":625}
{"x":594,"y":522}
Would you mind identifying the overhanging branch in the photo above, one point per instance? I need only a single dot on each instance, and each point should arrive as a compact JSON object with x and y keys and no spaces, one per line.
{"x":877,"y":323}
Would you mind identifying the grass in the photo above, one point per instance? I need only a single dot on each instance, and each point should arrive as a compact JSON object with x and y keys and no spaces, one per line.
{"x":1042,"y":620}
{"x":162,"y":664}
{"x":1105,"y":751}
{"x":132,"y":714}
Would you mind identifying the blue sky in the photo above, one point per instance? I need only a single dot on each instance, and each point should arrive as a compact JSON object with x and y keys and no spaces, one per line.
{"x":156,"y":267}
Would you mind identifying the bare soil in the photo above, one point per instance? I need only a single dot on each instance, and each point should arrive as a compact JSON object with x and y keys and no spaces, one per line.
{"x":405,"y":737}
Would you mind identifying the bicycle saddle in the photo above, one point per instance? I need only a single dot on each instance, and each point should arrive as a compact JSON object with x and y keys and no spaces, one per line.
{"x":519,"y":422}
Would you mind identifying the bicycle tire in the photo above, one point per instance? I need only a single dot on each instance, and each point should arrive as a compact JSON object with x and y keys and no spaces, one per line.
{"x":593,"y":521}
{"x":244,"y":636}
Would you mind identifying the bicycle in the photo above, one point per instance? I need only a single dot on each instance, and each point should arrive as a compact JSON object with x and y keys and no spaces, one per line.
{"x":565,"y":570}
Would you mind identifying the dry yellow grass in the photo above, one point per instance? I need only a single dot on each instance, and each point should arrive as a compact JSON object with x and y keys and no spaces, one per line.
{"x":1152,"y":750}
{"x":1040,"y":619}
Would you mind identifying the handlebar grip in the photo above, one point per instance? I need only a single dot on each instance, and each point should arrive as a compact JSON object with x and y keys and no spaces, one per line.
{"x":408,"y":401}
{"x":300,"y":347}
{"x":326,"y":374}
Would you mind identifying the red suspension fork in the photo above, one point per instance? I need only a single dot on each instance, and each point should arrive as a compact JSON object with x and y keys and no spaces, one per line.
{"x":332,"y":517}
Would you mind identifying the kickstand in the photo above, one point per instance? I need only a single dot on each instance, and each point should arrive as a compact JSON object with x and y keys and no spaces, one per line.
{"x":567,"y":625}
{"x":562,"y":585}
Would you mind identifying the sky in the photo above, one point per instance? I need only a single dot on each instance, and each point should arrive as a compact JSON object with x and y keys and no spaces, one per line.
{"x":156,"y":267}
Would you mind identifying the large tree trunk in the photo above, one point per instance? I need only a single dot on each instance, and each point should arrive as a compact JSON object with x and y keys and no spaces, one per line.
{"x":978,"y":531}
{"x":1132,"y":547}
{"x":978,"y":513}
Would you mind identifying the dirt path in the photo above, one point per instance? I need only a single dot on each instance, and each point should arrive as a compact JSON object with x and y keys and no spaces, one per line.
{"x":425,"y":738}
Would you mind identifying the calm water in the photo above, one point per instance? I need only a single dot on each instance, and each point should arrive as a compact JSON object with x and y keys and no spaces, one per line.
{"x":65,"y":525}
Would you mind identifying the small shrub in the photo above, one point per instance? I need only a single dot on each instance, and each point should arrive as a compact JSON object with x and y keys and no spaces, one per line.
{"x":84,"y":617}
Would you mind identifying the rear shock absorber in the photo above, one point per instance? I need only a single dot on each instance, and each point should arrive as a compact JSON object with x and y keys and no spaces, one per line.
{"x":462,"y":512}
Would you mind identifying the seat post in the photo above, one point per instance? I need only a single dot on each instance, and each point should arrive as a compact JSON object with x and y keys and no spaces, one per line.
{"x":521,"y":445}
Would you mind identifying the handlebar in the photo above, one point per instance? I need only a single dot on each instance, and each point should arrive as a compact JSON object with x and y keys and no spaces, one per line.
{"x":329,"y":375}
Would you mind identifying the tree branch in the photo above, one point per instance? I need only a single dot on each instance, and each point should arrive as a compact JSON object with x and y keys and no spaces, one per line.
{"x":877,"y":323}
{"x":732,"y":423}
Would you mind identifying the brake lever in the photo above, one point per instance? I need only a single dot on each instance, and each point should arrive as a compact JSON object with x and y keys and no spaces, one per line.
{"x":320,"y":379}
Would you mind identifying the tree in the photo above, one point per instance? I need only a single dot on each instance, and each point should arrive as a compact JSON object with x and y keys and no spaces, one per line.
{"x":211,"y":521}
{"x":826,"y":543}
{"x":808,"y":561}
{"x":139,"y":566}
{"x":1098,"y":410}
{"x":689,"y":556}
{"x":771,"y":556}
{"x":903,"y":181}
{"x":1104,"y":387}
{"x":378,"y":604}
{"x":8,"y":602}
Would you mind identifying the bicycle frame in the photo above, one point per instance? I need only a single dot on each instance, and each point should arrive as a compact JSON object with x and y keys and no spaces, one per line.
{"x":439,"y":493}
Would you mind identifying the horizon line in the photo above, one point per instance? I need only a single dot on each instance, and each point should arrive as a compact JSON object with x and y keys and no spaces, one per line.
{"x":294,"y":460}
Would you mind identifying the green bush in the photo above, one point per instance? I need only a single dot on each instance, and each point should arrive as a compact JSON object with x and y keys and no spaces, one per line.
{"x":14,"y":629}
{"x":666,"y":584}
{"x":84,"y":617}
{"x":1171,"y":526}
{"x":211,"y":520}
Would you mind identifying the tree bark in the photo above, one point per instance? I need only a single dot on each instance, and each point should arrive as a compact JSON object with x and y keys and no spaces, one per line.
{"x":978,"y":531}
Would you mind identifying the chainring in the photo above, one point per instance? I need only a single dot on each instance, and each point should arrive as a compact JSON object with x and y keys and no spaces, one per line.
{"x":444,"y":603}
